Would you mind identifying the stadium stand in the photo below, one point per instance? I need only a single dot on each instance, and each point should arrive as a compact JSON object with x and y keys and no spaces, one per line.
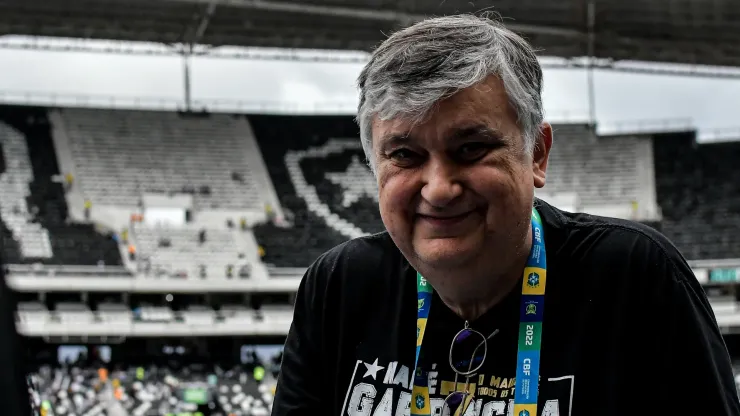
{"x":605,"y":175}
{"x":315,"y":163}
{"x":317,"y":168}
{"x":698,"y":189}
{"x":177,"y":251}
{"x":33,"y":207}
{"x":118,"y":155}
{"x":33,"y":239}
{"x":155,"y":391}
{"x":125,"y":163}
{"x":297,"y":152}
{"x":169,"y":378}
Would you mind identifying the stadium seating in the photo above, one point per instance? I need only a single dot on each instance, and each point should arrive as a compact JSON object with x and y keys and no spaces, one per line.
{"x":604,"y":173}
{"x":174,"y":380}
{"x":33,"y":209}
{"x":154,"y":314}
{"x":155,"y":391}
{"x":114,"y":313}
{"x":318,"y":170}
{"x":118,"y":155}
{"x":178,"y":251}
{"x":297,"y":157}
{"x":698,"y":189}
{"x":33,"y":313}
{"x":73,"y":313}
{"x":33,"y":239}
{"x":316,"y":164}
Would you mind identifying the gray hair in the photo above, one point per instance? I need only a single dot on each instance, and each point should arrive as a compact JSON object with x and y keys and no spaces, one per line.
{"x":419,"y":66}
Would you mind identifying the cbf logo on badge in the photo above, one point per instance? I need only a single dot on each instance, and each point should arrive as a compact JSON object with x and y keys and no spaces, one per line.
{"x":419,"y":401}
{"x":535,"y":281}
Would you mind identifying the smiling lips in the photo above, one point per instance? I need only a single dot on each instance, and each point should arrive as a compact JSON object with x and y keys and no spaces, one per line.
{"x":444,"y":221}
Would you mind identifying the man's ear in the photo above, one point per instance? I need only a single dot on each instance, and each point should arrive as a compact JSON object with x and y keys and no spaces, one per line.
{"x":541,"y":153}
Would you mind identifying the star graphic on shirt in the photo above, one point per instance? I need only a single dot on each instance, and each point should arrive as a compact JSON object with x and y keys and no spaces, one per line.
{"x":357,"y":181}
{"x":372,"y":369}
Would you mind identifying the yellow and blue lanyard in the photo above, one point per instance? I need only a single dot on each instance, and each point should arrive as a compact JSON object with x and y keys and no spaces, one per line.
{"x":531,"y":312}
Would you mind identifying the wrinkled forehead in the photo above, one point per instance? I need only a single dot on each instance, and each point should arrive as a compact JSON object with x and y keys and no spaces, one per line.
{"x":483,"y":105}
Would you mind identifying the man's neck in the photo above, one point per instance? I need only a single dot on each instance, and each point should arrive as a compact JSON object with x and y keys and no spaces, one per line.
{"x":472,"y":308}
{"x":490,"y":291}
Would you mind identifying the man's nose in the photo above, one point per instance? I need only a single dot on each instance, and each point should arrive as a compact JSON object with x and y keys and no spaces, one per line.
{"x":442,"y":183}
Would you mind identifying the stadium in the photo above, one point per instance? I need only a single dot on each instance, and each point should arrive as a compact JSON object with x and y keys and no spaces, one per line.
{"x":155,"y":253}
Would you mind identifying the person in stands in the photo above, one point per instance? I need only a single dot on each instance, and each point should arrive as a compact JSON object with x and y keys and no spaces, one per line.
{"x":481,"y":299}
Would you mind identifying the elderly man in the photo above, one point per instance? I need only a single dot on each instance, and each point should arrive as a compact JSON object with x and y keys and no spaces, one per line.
{"x":480,"y":299}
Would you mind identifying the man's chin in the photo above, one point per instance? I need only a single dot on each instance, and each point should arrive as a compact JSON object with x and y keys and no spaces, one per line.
{"x":445,"y":253}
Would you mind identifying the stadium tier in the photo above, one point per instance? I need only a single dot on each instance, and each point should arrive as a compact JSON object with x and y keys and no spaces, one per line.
{"x":698,"y":190}
{"x":73,"y":390}
{"x":35,"y":221}
{"x":317,"y":166}
{"x":199,"y":196}
{"x":166,"y":378}
{"x":160,"y":153}
{"x":608,"y":175}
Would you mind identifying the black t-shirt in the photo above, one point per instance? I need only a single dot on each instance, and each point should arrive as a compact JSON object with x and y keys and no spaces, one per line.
{"x":627,"y":330}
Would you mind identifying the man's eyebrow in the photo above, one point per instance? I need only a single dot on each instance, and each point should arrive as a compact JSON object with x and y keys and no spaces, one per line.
{"x":393,"y":139}
{"x":476,"y":130}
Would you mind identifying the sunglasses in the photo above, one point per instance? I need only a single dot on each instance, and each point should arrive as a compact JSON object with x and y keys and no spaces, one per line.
{"x":468,"y":352}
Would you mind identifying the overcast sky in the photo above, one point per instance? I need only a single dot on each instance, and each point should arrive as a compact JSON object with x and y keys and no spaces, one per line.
{"x":707,"y":103}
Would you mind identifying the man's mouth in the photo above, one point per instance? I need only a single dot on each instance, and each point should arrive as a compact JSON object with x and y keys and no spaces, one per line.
{"x":444,"y":220}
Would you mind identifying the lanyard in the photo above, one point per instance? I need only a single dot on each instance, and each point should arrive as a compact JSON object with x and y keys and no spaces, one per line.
{"x":531,"y":312}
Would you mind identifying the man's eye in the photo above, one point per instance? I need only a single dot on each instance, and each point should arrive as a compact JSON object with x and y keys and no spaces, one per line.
{"x":472,"y":151}
{"x":402,"y":155}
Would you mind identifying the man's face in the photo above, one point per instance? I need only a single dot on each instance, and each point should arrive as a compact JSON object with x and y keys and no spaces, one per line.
{"x":456,"y":191}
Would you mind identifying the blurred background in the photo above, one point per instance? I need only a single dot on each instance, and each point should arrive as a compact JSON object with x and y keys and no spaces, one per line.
{"x":169,"y":168}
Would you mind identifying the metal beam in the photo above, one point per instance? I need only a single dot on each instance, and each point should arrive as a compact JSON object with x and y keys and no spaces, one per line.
{"x":374,"y":14}
{"x":125,"y":49}
{"x":631,"y":68}
{"x":204,"y":21}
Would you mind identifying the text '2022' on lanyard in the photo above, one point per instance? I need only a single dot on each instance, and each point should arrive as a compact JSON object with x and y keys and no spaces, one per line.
{"x":531,"y":312}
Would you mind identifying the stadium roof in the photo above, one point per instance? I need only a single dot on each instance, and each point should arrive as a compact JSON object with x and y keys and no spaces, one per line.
{"x":683,"y":31}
